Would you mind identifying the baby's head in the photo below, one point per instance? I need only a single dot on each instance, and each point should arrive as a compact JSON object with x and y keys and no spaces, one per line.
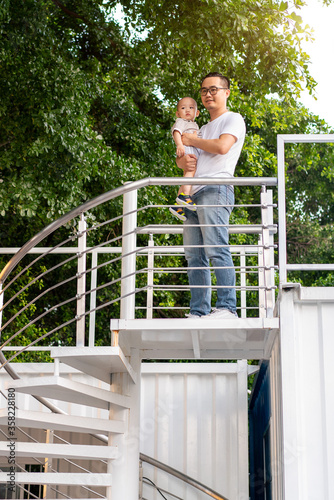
{"x":187,"y":109}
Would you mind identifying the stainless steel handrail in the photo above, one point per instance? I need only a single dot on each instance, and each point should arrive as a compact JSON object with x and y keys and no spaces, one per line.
{"x":283,"y":139}
{"x":187,"y":479}
{"x":128,"y":274}
{"x":114,"y":193}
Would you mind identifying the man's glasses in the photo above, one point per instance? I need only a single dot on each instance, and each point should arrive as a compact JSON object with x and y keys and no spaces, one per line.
{"x":212,"y":90}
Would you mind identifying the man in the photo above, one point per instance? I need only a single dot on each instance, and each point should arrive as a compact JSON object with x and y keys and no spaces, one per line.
{"x":205,"y":233}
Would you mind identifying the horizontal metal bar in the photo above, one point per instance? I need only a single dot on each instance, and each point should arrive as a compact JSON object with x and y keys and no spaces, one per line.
{"x":320,"y":138}
{"x":240,"y":205}
{"x":116,"y":250}
{"x":18,"y":348}
{"x":178,"y":229}
{"x":61,"y":251}
{"x":180,"y":288}
{"x":157,"y":270}
{"x":176,"y":308}
{"x":231,"y":181}
{"x":310,"y":267}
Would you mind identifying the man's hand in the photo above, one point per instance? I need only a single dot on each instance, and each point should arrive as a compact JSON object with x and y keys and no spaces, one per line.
{"x":187,"y":139}
{"x":187,"y":163}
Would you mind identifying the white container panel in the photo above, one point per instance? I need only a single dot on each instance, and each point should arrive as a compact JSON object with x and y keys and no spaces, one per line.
{"x":200,"y":421}
{"x":307,"y":347}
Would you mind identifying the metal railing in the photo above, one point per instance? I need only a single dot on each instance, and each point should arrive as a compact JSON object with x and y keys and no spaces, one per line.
{"x":284,"y":266}
{"x":145,"y":278}
{"x":139,"y":281}
{"x":131,"y":279}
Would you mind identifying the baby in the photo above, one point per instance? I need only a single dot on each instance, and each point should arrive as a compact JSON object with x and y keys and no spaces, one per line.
{"x":186,"y":113}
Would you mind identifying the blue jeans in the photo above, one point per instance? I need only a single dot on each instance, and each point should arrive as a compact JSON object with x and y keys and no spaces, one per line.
{"x":213,"y":237}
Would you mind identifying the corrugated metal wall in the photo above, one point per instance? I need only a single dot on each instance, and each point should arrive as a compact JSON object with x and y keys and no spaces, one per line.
{"x":307,"y":348}
{"x":194,"y":419}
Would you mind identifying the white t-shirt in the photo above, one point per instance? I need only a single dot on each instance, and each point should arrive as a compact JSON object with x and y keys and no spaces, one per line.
{"x":217,"y":165}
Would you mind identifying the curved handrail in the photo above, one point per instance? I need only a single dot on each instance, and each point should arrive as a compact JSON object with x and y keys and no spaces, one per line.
{"x":109,"y":195}
{"x":187,"y":479}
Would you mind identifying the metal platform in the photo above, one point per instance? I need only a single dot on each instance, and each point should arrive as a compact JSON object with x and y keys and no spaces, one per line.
{"x":247,"y":338}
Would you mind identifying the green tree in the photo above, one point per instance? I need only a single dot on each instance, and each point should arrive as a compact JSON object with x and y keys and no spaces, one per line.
{"x":88,"y":96}
{"x":74,"y":83}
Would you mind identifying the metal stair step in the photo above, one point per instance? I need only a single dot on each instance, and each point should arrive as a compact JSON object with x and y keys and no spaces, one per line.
{"x":61,"y":389}
{"x":185,"y":338}
{"x":55,"y":450}
{"x":60,"y":422}
{"x":55,"y":478}
{"x":99,"y":362}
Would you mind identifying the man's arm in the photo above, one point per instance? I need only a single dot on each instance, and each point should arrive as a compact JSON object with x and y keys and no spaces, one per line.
{"x":219,"y":146}
{"x":187,"y":163}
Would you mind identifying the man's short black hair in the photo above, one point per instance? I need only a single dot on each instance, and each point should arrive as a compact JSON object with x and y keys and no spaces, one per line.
{"x":223,"y":78}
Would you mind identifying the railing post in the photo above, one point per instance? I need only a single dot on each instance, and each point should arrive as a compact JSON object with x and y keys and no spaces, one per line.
{"x":81,"y":282}
{"x":268,"y":250}
{"x":92,"y":302}
{"x":262,"y":293}
{"x":282,"y":250}
{"x":243,"y":299}
{"x":150,"y":277}
{"x":129,"y":245}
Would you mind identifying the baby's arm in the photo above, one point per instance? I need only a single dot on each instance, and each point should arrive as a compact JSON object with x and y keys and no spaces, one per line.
{"x":179,"y":144}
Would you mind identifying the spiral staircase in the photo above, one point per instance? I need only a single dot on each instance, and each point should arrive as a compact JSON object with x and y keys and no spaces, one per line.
{"x":83,"y":431}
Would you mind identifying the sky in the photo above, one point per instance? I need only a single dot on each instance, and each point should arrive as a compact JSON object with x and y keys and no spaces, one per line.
{"x":321,"y":19}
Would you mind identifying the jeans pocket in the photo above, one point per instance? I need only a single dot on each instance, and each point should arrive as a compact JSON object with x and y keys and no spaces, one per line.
{"x":229,"y":198}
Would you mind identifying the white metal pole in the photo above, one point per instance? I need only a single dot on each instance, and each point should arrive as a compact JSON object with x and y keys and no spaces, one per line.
{"x":262,"y":293}
{"x":92,"y":303}
{"x":150,"y":265}
{"x":125,"y":469}
{"x":271,"y":271}
{"x":243,"y":282}
{"x":268,"y":250}
{"x":242,"y":451}
{"x":282,"y":251}
{"x":81,"y":282}
{"x":129,"y":242}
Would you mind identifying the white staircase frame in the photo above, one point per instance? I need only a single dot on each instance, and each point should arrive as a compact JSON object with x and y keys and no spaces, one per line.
{"x":122,"y":400}
{"x":122,"y":450}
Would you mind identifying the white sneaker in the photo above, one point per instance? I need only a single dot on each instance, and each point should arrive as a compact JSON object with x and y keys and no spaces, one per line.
{"x":192,"y":316}
{"x":222,"y":314}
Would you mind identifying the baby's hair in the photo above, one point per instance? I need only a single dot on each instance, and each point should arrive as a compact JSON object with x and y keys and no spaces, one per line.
{"x":177,"y":106}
